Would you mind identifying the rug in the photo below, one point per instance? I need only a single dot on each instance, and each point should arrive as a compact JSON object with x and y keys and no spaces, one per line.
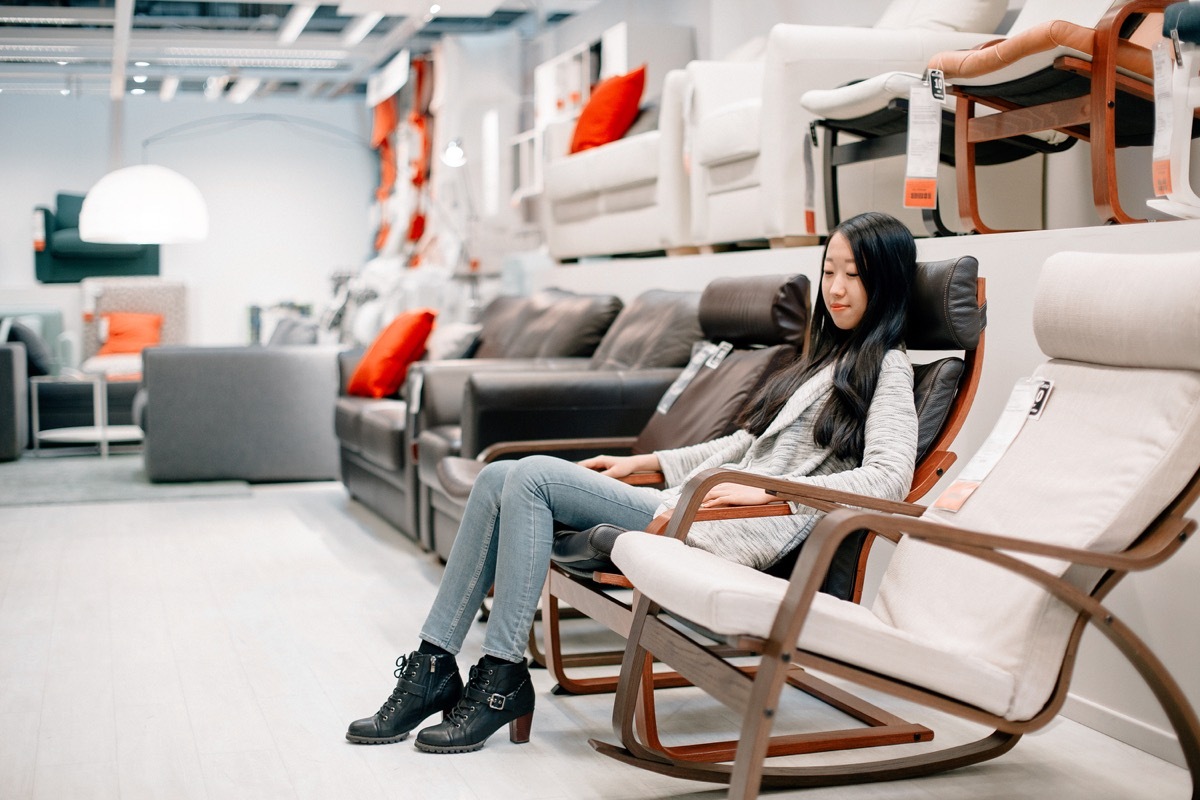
{"x":45,"y":480}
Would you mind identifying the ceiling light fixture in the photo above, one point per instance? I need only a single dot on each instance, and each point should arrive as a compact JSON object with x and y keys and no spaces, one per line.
{"x":141,"y":63}
{"x":170,"y":85}
{"x":139,"y":78}
{"x":64,"y":92}
{"x":358,"y":29}
{"x":146,"y":204}
{"x":62,"y":63}
{"x":435,"y":8}
{"x":243,"y":90}
{"x":137,"y":91}
{"x":294,"y":22}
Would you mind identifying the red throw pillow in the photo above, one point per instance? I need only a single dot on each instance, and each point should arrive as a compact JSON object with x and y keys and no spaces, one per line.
{"x":383,"y":367}
{"x":130,"y":333}
{"x":610,"y":110}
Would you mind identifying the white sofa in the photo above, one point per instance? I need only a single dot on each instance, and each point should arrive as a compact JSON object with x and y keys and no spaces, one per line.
{"x":628,"y":196}
{"x":746,"y":129}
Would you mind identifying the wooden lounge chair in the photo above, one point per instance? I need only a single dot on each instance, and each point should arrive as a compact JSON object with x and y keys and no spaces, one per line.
{"x":1084,"y":70}
{"x":980,"y":611}
{"x":948,"y":314}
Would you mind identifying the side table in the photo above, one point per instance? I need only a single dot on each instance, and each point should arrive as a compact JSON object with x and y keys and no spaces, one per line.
{"x":99,"y":433}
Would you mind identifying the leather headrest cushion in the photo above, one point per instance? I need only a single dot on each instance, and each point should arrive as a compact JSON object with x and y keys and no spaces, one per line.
{"x":657,"y":329}
{"x":944,"y":312}
{"x":1119,"y":309}
{"x":764,"y":309}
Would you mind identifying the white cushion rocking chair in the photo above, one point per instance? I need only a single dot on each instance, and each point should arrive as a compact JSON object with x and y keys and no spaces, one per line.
{"x":980,"y":612}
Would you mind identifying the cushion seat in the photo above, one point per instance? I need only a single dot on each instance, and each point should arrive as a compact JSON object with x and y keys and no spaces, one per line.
{"x":622,"y":164}
{"x":381,"y":435}
{"x":730,"y":134}
{"x":348,"y":413}
{"x":67,"y":243}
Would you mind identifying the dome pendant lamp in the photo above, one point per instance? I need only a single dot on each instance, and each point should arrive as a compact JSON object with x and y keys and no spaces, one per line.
{"x":144,"y":204}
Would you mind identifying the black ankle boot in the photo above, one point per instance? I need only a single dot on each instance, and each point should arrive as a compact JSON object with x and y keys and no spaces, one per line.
{"x":495,"y":695}
{"x":425,"y":685}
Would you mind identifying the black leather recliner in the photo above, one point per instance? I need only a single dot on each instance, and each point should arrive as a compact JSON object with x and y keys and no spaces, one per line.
{"x":763,"y":319}
{"x":549,"y":326}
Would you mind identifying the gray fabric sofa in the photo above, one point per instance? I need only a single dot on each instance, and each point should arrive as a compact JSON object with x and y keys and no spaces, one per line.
{"x":260,"y":414}
{"x":14,"y":412}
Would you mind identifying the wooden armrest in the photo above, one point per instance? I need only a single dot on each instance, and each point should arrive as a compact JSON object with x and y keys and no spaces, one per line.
{"x":644,"y":479}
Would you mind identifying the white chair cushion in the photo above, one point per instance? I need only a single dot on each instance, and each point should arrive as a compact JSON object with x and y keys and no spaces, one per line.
{"x":979,"y":16}
{"x":1077,"y":315}
{"x":729,"y":598}
{"x":730,"y":134}
{"x":621,"y":164}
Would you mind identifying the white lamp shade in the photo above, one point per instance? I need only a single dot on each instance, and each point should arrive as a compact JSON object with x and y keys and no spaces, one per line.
{"x":146,"y":204}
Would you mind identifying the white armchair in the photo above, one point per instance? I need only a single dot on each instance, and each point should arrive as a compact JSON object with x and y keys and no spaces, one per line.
{"x":627,"y":196}
{"x":747,"y":129}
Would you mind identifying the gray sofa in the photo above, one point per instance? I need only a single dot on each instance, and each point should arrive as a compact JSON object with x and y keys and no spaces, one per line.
{"x":14,"y":413}
{"x":260,"y":414}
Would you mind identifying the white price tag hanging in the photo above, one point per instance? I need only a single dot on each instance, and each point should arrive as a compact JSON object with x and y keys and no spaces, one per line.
{"x":1163,"y":117}
{"x":924,"y":142}
{"x":1027,"y":401}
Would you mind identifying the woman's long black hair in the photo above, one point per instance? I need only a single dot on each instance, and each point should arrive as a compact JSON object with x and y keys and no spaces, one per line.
{"x":886,"y":258}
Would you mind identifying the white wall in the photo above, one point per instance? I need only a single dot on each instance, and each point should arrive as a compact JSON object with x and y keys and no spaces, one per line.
{"x":288,"y":204}
{"x":1106,"y":693}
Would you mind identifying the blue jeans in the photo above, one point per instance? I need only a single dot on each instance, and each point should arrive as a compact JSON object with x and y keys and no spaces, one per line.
{"x":505,"y":538}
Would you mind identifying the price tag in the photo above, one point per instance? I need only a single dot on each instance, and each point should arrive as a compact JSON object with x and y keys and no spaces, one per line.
{"x":924,"y":143}
{"x":1163,"y":118}
{"x":1027,"y":401}
{"x":714,"y":361}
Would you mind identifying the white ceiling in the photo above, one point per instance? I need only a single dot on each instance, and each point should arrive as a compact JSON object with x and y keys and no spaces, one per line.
{"x":69,"y":48}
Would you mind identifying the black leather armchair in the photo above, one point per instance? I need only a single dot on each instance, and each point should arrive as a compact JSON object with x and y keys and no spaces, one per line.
{"x":65,"y":258}
{"x":548,"y":328}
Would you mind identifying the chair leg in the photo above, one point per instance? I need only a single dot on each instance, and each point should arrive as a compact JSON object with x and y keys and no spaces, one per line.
{"x":964,"y":168}
{"x":1105,"y":195}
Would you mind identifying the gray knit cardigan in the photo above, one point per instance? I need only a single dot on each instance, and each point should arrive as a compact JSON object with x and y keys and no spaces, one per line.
{"x":786,"y":449}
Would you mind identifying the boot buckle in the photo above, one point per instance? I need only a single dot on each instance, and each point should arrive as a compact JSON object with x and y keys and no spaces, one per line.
{"x":496,"y":702}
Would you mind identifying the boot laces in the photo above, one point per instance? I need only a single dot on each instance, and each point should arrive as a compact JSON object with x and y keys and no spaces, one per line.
{"x":479,"y":679}
{"x":406,"y":667}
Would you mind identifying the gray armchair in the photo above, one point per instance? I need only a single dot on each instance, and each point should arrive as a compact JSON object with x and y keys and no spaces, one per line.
{"x":260,"y":414}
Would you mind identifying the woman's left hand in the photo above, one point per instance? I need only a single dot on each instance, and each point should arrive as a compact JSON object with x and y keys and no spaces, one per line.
{"x":735,"y":494}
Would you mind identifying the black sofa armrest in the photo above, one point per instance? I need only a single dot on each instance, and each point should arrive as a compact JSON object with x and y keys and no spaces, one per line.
{"x":499,"y":407}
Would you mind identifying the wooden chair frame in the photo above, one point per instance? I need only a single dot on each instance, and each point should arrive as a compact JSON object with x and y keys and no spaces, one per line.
{"x":1090,"y":118}
{"x":590,"y":598}
{"x":756,"y":694}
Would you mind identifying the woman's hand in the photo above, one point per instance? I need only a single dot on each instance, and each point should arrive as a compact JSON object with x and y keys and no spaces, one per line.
{"x":735,"y":494}
{"x":621,"y":466}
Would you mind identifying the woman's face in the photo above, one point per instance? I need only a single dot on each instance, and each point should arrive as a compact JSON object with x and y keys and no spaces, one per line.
{"x":841,"y":288}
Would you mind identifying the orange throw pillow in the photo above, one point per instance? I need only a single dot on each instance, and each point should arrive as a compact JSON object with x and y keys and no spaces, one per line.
{"x":610,"y":110}
{"x":383,"y":367}
{"x":131,"y":333}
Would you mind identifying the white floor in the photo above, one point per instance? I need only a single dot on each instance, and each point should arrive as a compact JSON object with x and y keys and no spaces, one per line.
{"x":217,"y":648}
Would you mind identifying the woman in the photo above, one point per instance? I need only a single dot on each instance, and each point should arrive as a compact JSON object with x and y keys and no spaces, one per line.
{"x":842,"y":418}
